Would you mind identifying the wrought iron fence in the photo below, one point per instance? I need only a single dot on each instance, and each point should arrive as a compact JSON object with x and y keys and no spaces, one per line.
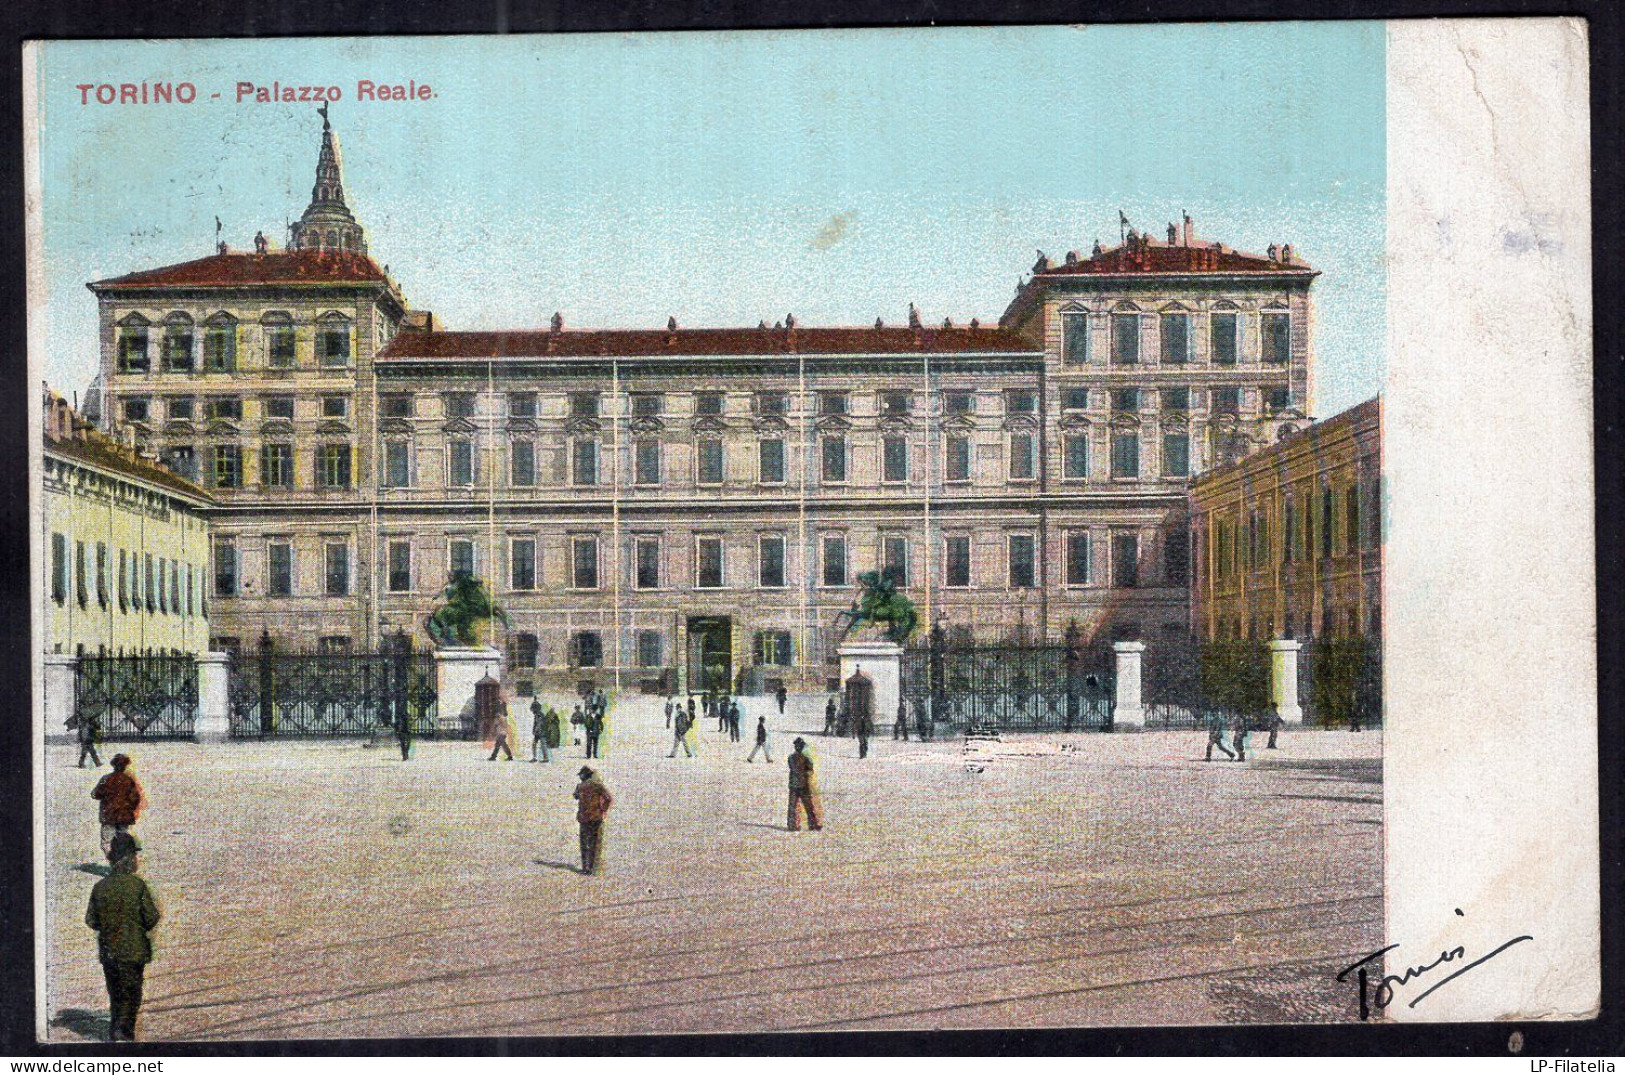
{"x":1340,"y":682}
{"x":293,"y":694}
{"x":140,"y":696}
{"x":1040,"y":686}
{"x":1187,"y":682}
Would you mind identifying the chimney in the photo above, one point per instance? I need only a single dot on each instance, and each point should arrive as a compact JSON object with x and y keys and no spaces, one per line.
{"x":1190,"y":228}
{"x":913,"y":316}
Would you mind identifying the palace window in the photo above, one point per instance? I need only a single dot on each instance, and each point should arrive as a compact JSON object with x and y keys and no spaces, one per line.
{"x":1176,"y":339}
{"x":894,"y":452}
{"x":1327,"y":505}
{"x":460,"y":558}
{"x":774,"y":648}
{"x":279,"y":340}
{"x":584,"y":563}
{"x":770,"y":461}
{"x":279,"y":569}
{"x":1077,"y":558}
{"x":1125,"y":339}
{"x":583,"y":404}
{"x":522,"y":455}
{"x":894,"y":559}
{"x":587,"y":649}
{"x":333,"y":466}
{"x":278,"y":407}
{"x":522,"y":405}
{"x":834,"y":560}
{"x":770,"y":560}
{"x":1075,"y":452}
{"x":1176,"y":399}
{"x":132,"y":346}
{"x":956,"y":561}
{"x":1278,"y":399}
{"x":224,"y":408}
{"x":1176,"y":455}
{"x":123,"y":580}
{"x":522,"y":563}
{"x":896,"y":403}
{"x":460,"y":463}
{"x":651,"y":647}
{"x":102,"y":596}
{"x":1023,"y":566}
{"x":1276,"y":329}
{"x":523,"y":650}
{"x":338,"y":569}
{"x":459,"y":404}
{"x":276,"y":466}
{"x":333,"y":340}
{"x":959,"y":402}
{"x":1075,"y":399}
{"x":400,"y":567}
{"x":225,"y":571}
{"x":646,"y":554}
{"x":1023,"y":457}
{"x":584,"y":458}
{"x":1126,"y":560}
{"x":958,"y":462}
{"x":398,"y":406}
{"x":1227,"y":400}
{"x":181,"y":407}
{"x":647,"y":404}
{"x":1222,"y":330}
{"x":708,"y":403}
{"x":710,"y":461}
{"x":179,"y":342}
{"x":834,"y":459}
{"x":646,"y":462}
{"x":160,"y":576}
{"x":137,"y":409}
{"x":220,"y":343}
{"x":1075,"y":338}
{"x":1021,"y":401}
{"x":150,"y":582}
{"x":708,"y":562}
{"x":772,"y":404}
{"x":1351,"y":518}
{"x":1125,"y":455}
{"x":81,"y":583}
{"x":1126,"y":401}
{"x":832,"y":403}
{"x":228,"y":466}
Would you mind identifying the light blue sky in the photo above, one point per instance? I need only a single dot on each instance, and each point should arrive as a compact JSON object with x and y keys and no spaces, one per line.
{"x":726,"y":178}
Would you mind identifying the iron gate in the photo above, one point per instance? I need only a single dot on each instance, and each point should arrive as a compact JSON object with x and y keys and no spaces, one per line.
{"x":1186,"y":682}
{"x":1043,"y":686}
{"x":292,"y":694}
{"x":140,"y":696}
{"x":1340,"y":682}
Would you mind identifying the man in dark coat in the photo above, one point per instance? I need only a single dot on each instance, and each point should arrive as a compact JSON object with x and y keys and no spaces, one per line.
{"x":403,"y":734}
{"x":801,"y":790}
{"x":679,"y":733}
{"x":761,"y":742}
{"x":122,"y":911}
{"x":691,"y":710}
{"x":88,"y":729}
{"x":1215,"y":737}
{"x":538,"y":732}
{"x":899,"y":728}
{"x":1238,"y":737}
{"x":1273,"y":722}
{"x":733,"y":720}
{"x":593,"y":802}
{"x":671,"y":703}
{"x":121,"y":801}
{"x":594,"y":727}
{"x":865,"y":728}
{"x":829,"y":716}
{"x":781,"y":696}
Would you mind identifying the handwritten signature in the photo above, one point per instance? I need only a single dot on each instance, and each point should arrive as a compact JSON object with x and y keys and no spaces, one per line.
{"x":1385,"y":992}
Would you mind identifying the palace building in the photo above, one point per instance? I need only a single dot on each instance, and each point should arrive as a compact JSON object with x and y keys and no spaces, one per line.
{"x":648,"y":503}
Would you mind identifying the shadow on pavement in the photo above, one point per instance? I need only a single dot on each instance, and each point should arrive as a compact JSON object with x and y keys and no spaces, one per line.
{"x":572,"y":867}
{"x":92,"y":1026}
{"x":94,"y":868}
{"x":1358,"y":770}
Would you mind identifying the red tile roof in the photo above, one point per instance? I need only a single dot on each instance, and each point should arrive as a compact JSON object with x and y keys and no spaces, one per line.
{"x":1158,"y":257}
{"x":238,"y":270}
{"x":704,"y":342}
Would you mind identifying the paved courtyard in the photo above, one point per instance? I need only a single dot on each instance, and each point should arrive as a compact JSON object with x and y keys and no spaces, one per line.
{"x":325,"y":889}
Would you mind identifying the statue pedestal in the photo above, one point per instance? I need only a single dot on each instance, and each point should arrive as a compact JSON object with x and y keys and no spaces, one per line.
{"x":874,"y":664}
{"x":457,"y":670}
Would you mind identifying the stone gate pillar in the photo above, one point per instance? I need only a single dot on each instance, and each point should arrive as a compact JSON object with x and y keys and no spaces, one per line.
{"x":1284,"y":679}
{"x":881,"y":660}
{"x":457,"y":669}
{"x":60,"y":689}
{"x":213,"y":698}
{"x":1130,"y":704}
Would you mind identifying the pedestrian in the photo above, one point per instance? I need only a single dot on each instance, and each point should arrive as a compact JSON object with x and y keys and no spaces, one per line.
{"x":843,"y":722}
{"x":594,"y":727}
{"x":594,"y":802}
{"x":679,"y":733}
{"x":691,"y":709}
{"x":1273,"y":721}
{"x":403,"y":734}
{"x":865,"y":728}
{"x":761,"y":742}
{"x":922,"y":720}
{"x":829,"y":716}
{"x":1354,"y":718}
{"x":1238,"y":738}
{"x":499,"y":731}
{"x":1215,"y":736}
{"x":671,"y":703}
{"x":899,"y":728}
{"x":121,"y":801}
{"x":555,"y":727}
{"x":538,"y":732}
{"x":122,"y":911}
{"x":723,"y":704}
{"x":781,"y":696}
{"x":578,"y":719}
{"x":801,"y":790}
{"x":733,"y":720}
{"x":88,"y":730}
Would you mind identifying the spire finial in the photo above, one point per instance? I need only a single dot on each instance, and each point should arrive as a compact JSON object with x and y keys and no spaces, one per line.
{"x":326,"y":126}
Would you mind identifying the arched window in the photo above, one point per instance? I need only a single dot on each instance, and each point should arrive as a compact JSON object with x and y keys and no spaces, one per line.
{"x":279,"y":347}
{"x":220,"y":343}
{"x":333,"y":340}
{"x":132,"y":345}
{"x":179,"y":336}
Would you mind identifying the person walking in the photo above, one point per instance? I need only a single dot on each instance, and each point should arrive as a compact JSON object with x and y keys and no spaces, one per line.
{"x":1273,"y":722}
{"x":594,"y":801}
{"x":691,"y":710}
{"x":761,"y":742}
{"x":577,"y":720}
{"x":1238,"y":737}
{"x":538,"y":732}
{"x":123,"y":912}
{"x":671,"y":703}
{"x":723,"y":703}
{"x":899,"y":728}
{"x":594,"y":727}
{"x":500,"y":732}
{"x":403,"y":734}
{"x":121,"y":801}
{"x":922,"y":718}
{"x":801,"y":790}
{"x":829,"y":716}
{"x":865,"y":727}
{"x":843,"y":721}
{"x":781,"y":696}
{"x":1215,"y":737}
{"x":733,"y":720}
{"x":679,"y":733}
{"x":88,"y":729}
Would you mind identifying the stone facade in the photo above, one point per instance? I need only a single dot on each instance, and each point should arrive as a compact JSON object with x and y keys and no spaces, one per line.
{"x":649,"y":503}
{"x":1288,"y":543}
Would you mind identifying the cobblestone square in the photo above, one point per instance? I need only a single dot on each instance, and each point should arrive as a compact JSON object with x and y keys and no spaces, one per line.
{"x":326,"y":889}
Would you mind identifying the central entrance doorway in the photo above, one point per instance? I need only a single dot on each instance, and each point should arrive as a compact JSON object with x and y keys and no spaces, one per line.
{"x":710,"y":653}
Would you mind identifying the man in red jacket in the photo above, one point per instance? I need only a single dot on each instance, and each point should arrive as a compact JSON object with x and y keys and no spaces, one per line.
{"x":595,"y":800}
{"x":120,"y":797}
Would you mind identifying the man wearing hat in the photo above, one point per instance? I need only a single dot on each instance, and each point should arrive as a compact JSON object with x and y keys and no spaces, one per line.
{"x":121,"y":912}
{"x":594,"y":801}
{"x":801,"y":789}
{"x":120,"y":797}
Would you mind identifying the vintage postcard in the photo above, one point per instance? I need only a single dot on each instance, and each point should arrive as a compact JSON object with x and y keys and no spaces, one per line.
{"x":772,"y":532}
